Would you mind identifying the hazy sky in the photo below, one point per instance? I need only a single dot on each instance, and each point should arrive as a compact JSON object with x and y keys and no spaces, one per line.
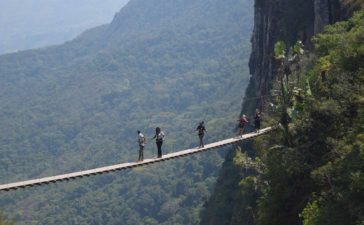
{"x":28,"y":24}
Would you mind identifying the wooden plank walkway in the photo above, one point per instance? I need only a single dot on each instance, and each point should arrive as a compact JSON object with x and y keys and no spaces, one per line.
{"x":113,"y":168}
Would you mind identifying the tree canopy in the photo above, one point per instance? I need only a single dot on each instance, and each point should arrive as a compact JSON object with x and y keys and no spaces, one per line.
{"x":78,"y":106}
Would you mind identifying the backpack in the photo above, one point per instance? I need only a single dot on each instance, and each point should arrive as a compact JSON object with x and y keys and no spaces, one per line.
{"x":243,"y":121}
{"x":161,"y":136}
{"x":201,"y":129}
{"x":142,"y":140}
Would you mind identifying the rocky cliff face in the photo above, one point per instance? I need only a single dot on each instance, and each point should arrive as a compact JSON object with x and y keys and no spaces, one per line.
{"x":326,"y":12}
{"x":288,"y":21}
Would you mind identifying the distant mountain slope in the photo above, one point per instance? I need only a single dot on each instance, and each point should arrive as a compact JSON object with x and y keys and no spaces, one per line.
{"x":78,"y":105}
{"x":37,"y":23}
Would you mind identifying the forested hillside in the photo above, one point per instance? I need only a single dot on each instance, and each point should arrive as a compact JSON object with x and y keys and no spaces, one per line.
{"x":78,"y":105}
{"x":38,"y":23}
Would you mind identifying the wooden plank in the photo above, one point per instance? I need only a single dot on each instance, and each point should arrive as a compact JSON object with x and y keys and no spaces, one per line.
{"x":128,"y":165}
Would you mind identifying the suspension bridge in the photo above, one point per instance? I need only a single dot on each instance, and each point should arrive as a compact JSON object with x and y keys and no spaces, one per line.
{"x":129,"y":165}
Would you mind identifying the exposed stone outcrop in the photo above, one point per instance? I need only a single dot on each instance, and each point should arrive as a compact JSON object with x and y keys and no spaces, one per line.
{"x":288,"y":21}
{"x":326,"y":12}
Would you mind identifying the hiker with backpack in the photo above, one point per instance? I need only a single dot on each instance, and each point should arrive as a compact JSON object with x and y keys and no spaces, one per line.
{"x":257,"y":118}
{"x":243,"y":122}
{"x":159,"y":138}
{"x":201,"y":133}
{"x":141,"y":141}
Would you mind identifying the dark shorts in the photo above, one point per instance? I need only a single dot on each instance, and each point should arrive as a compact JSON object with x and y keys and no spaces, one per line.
{"x":241,"y":125}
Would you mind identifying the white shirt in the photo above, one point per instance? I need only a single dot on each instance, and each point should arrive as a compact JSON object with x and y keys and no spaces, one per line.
{"x":141,"y":139}
{"x":160,"y":136}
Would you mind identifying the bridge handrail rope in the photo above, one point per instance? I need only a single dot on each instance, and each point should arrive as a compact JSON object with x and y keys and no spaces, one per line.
{"x":129,"y":165}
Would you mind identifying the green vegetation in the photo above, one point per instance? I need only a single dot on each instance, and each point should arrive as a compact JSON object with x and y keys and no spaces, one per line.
{"x":338,"y":176}
{"x":4,"y":221}
{"x":78,"y":106}
{"x":353,"y":5}
{"x":320,"y":174}
{"x":320,"y":171}
{"x":311,"y":171}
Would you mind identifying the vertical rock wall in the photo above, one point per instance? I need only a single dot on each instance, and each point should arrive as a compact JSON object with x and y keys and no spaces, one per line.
{"x":326,"y":12}
{"x":289,"y":21}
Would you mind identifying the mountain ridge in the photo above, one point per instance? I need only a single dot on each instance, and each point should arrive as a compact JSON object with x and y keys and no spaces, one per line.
{"x":41,"y":23}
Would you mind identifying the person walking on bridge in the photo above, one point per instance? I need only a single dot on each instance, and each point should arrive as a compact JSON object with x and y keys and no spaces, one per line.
{"x":257,"y":118}
{"x":201,"y":133}
{"x":141,"y":141}
{"x":159,"y":138}
{"x":243,"y":121}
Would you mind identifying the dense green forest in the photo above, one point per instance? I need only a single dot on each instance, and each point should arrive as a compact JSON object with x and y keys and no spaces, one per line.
{"x":320,"y":177}
{"x":78,"y":105}
{"x":38,"y":23}
{"x":311,"y":170}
